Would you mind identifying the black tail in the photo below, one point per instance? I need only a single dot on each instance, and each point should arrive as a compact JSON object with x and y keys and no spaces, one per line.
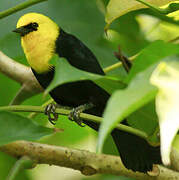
{"x":136,"y":154}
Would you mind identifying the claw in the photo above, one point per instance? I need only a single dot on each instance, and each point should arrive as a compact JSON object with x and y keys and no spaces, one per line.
{"x":75,"y":113}
{"x":75,"y":116}
{"x":49,"y":111}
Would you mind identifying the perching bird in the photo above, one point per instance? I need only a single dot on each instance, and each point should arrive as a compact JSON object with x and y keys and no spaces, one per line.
{"x":41,"y":39}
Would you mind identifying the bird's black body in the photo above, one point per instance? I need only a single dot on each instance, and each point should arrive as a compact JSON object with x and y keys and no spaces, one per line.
{"x":135,"y":152}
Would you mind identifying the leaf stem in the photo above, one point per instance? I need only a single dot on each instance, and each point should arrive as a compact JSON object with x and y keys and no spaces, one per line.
{"x":88,"y":117}
{"x":19,"y":7}
{"x":22,"y":163}
{"x":33,"y":114}
{"x":171,"y":7}
{"x":151,"y":6}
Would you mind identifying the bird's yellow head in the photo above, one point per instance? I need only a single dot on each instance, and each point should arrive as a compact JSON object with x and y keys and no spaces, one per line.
{"x":38,"y":35}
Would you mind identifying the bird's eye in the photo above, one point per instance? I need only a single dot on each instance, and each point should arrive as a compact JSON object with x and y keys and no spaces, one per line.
{"x":35,"y":25}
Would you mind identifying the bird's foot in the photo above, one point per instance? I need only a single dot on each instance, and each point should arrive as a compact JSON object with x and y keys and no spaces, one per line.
{"x":75,"y":113}
{"x":50,"y":112}
{"x":75,"y":116}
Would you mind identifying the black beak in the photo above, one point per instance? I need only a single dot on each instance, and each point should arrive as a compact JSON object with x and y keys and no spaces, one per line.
{"x":21,"y":30}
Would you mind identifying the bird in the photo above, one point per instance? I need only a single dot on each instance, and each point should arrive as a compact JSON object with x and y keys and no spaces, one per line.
{"x":41,"y":39}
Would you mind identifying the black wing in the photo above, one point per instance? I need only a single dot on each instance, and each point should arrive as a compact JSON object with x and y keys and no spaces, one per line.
{"x":77,"y":54}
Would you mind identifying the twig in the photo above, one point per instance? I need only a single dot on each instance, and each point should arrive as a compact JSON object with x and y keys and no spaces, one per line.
{"x":118,"y":64}
{"x":127,"y":64}
{"x":88,"y":117}
{"x":87,"y":162}
{"x":19,"y":7}
{"x":33,"y":114}
{"x":23,"y":163}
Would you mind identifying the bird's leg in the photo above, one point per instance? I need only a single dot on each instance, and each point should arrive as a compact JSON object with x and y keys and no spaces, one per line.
{"x":75,"y":113}
{"x":50,"y":110}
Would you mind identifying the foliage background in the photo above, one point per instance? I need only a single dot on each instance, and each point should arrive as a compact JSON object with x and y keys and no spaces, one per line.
{"x":85,"y":19}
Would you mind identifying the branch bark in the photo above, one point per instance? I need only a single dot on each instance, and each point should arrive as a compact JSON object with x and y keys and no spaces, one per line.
{"x":21,"y":74}
{"x":87,"y":162}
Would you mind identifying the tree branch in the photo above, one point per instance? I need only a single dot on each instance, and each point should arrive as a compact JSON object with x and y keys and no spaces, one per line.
{"x":19,"y":7}
{"x":21,"y":74}
{"x":87,"y":162}
{"x":14,"y":70}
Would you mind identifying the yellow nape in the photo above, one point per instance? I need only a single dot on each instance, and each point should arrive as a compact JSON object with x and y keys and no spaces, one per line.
{"x":39,"y":46}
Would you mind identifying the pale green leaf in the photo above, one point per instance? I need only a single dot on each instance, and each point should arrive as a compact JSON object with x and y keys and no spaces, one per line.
{"x":14,"y":127}
{"x":117,"y":8}
{"x":124,"y":102}
{"x":166,"y":78}
{"x":65,"y":73}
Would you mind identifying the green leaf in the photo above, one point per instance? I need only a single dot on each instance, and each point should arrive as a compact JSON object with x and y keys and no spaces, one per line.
{"x":151,"y":55}
{"x":139,"y":92}
{"x":117,"y":8}
{"x":166,"y":79}
{"x":123,"y":102}
{"x":144,"y":119}
{"x":15,"y":127}
{"x":65,"y":73}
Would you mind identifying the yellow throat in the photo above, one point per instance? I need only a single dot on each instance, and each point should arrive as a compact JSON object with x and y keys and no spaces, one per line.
{"x":39,"y":45}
